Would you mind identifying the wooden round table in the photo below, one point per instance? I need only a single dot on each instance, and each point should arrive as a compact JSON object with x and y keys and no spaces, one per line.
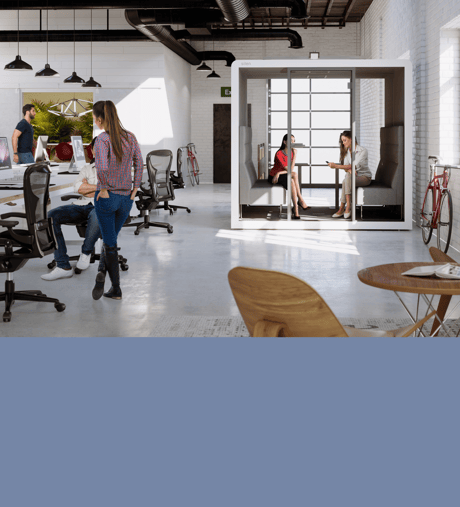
{"x":390,"y":277}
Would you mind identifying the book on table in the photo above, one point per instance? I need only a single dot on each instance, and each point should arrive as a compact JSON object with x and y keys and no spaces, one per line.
{"x":450,"y":271}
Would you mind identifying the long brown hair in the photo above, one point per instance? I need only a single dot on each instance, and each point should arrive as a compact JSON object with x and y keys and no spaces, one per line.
{"x":343,"y":150}
{"x":106,"y":110}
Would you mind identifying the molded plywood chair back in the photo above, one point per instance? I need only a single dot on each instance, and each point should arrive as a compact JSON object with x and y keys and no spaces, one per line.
{"x":277,"y":304}
{"x":271,"y":302}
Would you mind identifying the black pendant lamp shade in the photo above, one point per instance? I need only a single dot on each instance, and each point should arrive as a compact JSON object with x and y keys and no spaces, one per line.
{"x":91,"y":83}
{"x":203,"y":67}
{"x":18,"y":63}
{"x":74,"y":79}
{"x":47,"y":71}
{"x":213,"y":75}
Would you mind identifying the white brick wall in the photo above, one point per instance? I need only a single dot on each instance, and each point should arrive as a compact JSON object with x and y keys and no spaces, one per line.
{"x":330,"y":42}
{"x":414,"y":29}
{"x":149,"y":84}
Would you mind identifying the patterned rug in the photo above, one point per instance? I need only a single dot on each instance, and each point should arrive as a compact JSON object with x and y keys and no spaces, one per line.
{"x":228,"y":327}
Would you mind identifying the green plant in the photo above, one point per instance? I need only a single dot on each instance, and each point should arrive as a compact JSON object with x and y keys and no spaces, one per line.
{"x":84,"y":126}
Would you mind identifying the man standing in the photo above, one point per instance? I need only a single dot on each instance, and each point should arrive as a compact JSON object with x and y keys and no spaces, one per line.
{"x":23,"y":137}
{"x":80,"y":210}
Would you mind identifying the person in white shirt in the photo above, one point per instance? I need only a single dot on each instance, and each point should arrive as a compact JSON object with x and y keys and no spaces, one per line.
{"x":363,"y":174}
{"x":80,"y":210}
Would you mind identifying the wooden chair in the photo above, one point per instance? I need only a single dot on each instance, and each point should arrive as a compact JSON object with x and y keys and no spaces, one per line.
{"x":277,"y":304}
{"x":444,"y":301}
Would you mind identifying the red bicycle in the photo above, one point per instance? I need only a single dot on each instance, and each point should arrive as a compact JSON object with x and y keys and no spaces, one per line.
{"x":192,"y":165}
{"x":437,"y":212}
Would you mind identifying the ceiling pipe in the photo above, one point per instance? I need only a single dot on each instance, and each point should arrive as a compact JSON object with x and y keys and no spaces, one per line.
{"x":217,"y":55}
{"x":234,"y":11}
{"x":67,"y":36}
{"x":199,"y":17}
{"x":298,"y":7}
{"x":239,"y":35}
{"x":108,"y":4}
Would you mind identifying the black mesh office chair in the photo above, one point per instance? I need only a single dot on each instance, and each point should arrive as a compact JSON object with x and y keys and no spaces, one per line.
{"x":36,"y":241}
{"x":177,"y":182}
{"x":81,"y":229}
{"x":156,"y":191}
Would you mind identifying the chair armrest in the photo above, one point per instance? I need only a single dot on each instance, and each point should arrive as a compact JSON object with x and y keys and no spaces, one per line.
{"x":8,"y":223}
{"x":67,"y":197}
{"x":12,"y":214}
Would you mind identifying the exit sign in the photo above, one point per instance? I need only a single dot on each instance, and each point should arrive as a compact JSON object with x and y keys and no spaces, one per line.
{"x":226,"y":91}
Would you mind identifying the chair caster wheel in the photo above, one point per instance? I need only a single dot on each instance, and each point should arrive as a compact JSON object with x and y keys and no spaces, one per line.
{"x":60,"y":307}
{"x":136,"y":233}
{"x":170,"y":230}
{"x":171,"y":212}
{"x":7,"y":317}
{"x":188,"y":211}
{"x":124,"y":267}
{"x":77,"y":271}
{"x":51,"y":265}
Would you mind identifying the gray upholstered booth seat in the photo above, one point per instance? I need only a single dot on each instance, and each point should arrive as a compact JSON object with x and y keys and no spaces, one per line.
{"x":388,"y":186}
{"x":252,"y":190}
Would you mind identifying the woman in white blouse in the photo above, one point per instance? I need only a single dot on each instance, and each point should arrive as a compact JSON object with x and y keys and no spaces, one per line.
{"x":363,"y":174}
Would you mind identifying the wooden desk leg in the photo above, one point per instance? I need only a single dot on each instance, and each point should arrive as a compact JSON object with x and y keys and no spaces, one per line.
{"x":440,"y":312}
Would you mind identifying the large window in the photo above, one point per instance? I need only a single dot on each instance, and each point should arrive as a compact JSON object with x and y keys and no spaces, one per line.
{"x":321,"y":110}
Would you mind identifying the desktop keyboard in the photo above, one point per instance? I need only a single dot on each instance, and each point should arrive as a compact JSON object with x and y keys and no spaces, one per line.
{"x":15,"y":179}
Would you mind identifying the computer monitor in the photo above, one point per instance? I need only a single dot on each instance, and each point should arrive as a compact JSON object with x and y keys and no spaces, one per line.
{"x":5,"y":159}
{"x":40,"y":151}
{"x":78,"y":158}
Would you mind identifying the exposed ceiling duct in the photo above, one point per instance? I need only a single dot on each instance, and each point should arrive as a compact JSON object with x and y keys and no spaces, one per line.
{"x":67,"y":36}
{"x":298,"y":7}
{"x":234,"y":11}
{"x":238,"y":35}
{"x":217,"y":55}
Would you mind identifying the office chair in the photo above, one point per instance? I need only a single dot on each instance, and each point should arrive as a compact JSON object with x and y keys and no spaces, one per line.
{"x":277,"y":304}
{"x":177,"y":181}
{"x":81,"y":229}
{"x":36,"y":241}
{"x":156,"y":191}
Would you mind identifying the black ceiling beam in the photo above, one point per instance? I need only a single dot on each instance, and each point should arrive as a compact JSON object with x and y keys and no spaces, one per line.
{"x":26,"y":5}
{"x":327,"y":11}
{"x":67,"y":36}
{"x":347,"y":11}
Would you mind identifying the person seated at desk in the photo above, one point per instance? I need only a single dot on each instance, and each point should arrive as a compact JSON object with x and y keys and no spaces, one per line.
{"x":363,"y":174}
{"x":80,"y":210}
{"x":278,"y":175}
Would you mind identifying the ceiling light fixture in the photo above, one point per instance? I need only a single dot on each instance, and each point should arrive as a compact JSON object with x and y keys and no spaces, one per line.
{"x":91,"y":83}
{"x":47,"y":71}
{"x":68,"y":108}
{"x":74,"y":79}
{"x":213,"y":74}
{"x":18,"y":63}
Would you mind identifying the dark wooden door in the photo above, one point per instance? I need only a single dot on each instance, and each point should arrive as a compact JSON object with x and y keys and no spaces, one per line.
{"x":222,"y":142}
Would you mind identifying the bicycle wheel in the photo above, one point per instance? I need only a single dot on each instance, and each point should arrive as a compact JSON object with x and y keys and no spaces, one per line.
{"x":445,"y":219}
{"x":426,"y":216}
{"x":190,"y":172}
{"x":196,"y":171}
{"x":179,"y":162}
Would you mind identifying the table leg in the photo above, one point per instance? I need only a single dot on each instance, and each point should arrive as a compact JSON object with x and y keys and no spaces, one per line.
{"x":337,"y":189}
{"x":440,"y":313}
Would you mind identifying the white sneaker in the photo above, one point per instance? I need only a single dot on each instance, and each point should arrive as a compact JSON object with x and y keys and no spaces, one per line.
{"x":83,"y":261}
{"x":58,"y":273}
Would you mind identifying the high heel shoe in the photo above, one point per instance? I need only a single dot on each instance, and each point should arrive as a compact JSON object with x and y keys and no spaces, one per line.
{"x":338,"y":214}
{"x":299,"y":203}
{"x":347,"y":215}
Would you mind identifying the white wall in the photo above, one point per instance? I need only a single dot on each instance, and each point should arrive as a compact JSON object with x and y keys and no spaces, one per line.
{"x":331,"y":42}
{"x":149,"y":84}
{"x":416,"y":30}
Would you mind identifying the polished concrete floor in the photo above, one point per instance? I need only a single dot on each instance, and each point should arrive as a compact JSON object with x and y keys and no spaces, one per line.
{"x":185,"y":273}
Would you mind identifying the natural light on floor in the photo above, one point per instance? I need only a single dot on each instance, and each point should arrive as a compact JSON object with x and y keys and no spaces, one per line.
{"x":311,"y":240}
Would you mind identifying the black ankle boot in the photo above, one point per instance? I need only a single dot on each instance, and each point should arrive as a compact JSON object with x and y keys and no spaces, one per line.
{"x":113,"y":293}
{"x":113,"y":268}
{"x":98,"y":289}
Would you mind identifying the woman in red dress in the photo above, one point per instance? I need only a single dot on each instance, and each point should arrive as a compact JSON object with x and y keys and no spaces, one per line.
{"x":278,"y":175}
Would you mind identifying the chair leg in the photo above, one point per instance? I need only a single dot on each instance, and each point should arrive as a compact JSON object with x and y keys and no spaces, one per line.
{"x":146,"y":224}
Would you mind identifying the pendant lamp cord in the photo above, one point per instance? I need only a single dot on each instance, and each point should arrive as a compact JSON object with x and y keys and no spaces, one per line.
{"x":47,"y":31}
{"x":74,"y":40}
{"x":18,"y":26}
{"x":91,"y":42}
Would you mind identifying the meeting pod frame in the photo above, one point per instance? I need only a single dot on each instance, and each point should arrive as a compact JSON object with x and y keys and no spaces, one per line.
{"x":397,"y":112}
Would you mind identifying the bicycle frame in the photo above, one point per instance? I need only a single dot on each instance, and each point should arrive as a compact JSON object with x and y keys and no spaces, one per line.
{"x":438,"y":183}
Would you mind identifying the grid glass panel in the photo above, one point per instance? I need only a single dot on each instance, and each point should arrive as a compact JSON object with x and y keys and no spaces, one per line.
{"x":320,"y":155}
{"x":279,"y":102}
{"x":338,"y":120}
{"x":278,"y":85}
{"x":301,"y":136}
{"x":300,"y":85}
{"x":329,"y":85}
{"x":279,"y":120}
{"x":325,"y":137}
{"x":303,"y":156}
{"x":322,"y":175}
{"x":330,"y":102}
{"x":299,"y":120}
{"x":300,"y":102}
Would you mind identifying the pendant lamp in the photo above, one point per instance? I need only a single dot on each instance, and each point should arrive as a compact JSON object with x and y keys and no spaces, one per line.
{"x":91,"y":83}
{"x":203,"y":67}
{"x":18,"y":63}
{"x":213,"y":74}
{"x":47,"y":71}
{"x":74,"y":79}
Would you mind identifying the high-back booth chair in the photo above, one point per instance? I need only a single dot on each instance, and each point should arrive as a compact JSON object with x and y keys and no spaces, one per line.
{"x":156,"y":192}
{"x":36,"y":241}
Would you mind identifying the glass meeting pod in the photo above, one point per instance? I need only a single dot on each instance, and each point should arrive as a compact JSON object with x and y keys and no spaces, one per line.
{"x":315,"y":101}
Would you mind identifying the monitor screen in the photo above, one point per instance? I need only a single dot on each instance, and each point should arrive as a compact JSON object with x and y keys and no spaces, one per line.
{"x":5,"y":159}
{"x":40,"y":151}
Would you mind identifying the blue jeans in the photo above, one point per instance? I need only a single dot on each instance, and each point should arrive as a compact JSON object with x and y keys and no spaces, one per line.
{"x":112,"y":214}
{"x":25,"y":158}
{"x":71,"y":213}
